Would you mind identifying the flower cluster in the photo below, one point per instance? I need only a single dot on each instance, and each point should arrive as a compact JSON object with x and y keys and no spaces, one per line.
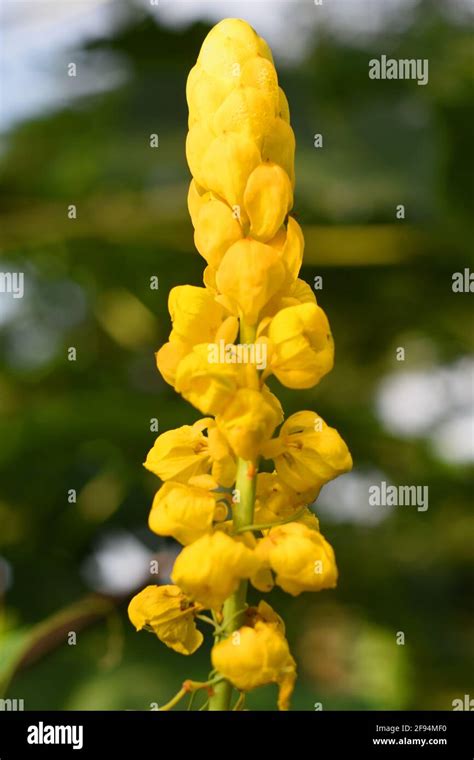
{"x":238,"y":525}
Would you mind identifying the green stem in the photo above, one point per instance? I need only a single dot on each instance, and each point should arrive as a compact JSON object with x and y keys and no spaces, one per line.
{"x":234,"y":606}
{"x":266,"y":526}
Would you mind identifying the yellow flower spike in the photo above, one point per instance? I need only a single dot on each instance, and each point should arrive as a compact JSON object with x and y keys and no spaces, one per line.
{"x":217,"y":228}
{"x":300,"y":557}
{"x":225,"y":165}
{"x":210,"y":569}
{"x":167,"y":612}
{"x":307,"y":452}
{"x":248,"y":421}
{"x":256,"y":656}
{"x":302,"y":345}
{"x":240,"y":150}
{"x":267,"y":199}
{"x":249,"y":275}
{"x":185,"y":512}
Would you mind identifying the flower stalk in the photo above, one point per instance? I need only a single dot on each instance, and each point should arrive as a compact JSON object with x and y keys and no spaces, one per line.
{"x":234,"y":606}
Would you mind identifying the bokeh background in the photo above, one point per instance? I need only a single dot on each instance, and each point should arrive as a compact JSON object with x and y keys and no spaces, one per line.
{"x":387,"y":283}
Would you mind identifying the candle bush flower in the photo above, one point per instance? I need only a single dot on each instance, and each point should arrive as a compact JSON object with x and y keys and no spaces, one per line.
{"x":238,"y":525}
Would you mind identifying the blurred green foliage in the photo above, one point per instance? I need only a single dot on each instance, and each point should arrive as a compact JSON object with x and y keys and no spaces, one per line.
{"x":85,"y":425}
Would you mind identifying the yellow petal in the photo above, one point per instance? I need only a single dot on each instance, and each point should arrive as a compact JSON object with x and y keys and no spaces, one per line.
{"x":302,"y":292}
{"x":198,"y":140}
{"x":195,"y":200}
{"x":292,"y":251}
{"x":283,"y":107}
{"x":193,"y":77}
{"x":256,"y":656}
{"x":238,"y":30}
{"x":259,"y":72}
{"x":226,"y":48}
{"x":184,"y":512}
{"x":209,"y":280}
{"x":249,"y":275}
{"x":207,"y":385}
{"x":286,"y":687}
{"x":307,"y":452}
{"x":228,"y":331}
{"x":268,"y":197}
{"x":263,"y":580}
{"x":179,"y":454}
{"x":266,"y":614}
{"x":302,"y":345}
{"x":226,"y":165}
{"x":275,"y":500}
{"x":210,"y":569}
{"x":300,"y":557}
{"x":169,"y":357}
{"x":298,"y":292}
{"x":195,"y":314}
{"x":224,"y":463}
{"x":205,"y":93}
{"x":248,"y":111}
{"x":279,"y":146}
{"x":217,"y":228}
{"x":264,"y":50}
{"x":169,"y":614}
{"x":247,"y":421}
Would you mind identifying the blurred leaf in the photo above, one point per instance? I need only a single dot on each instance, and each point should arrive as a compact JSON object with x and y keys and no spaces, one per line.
{"x":22,"y":647}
